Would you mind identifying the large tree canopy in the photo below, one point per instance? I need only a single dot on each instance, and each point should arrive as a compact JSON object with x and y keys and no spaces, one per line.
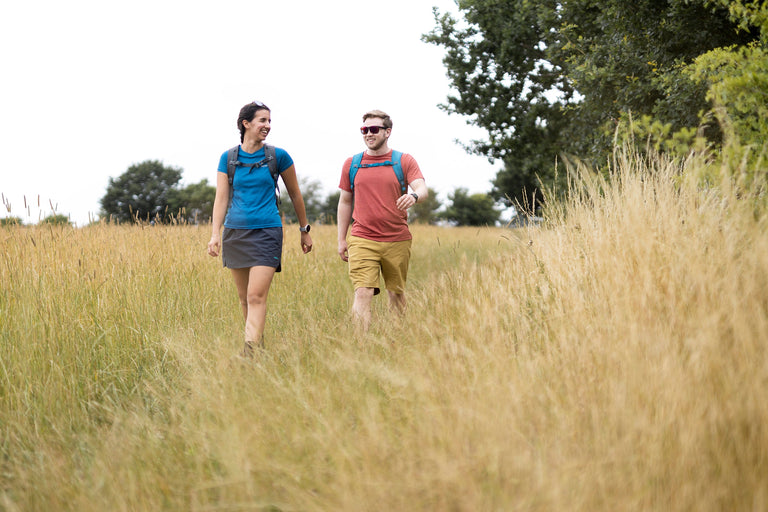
{"x":498,"y":63}
{"x":550,"y":77}
{"x":141,"y":193}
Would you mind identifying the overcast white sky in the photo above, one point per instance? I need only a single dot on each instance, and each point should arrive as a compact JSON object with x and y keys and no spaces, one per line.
{"x":91,"y":87}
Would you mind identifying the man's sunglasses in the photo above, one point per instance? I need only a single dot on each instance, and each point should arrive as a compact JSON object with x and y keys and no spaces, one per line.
{"x":373,"y":129}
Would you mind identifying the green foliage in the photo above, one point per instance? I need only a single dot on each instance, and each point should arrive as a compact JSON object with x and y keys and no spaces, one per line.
{"x":551,"y":78}
{"x":737,"y":85}
{"x":650,"y":133}
{"x":498,"y":63}
{"x":626,"y":57}
{"x":747,"y":14}
{"x":57,"y":219}
{"x":425,"y":212}
{"x":471,"y":210}
{"x":330,"y":207}
{"x":737,"y":80}
{"x":314,"y":204}
{"x":11,"y":221}
{"x":192,"y":204}
{"x":142,"y":193}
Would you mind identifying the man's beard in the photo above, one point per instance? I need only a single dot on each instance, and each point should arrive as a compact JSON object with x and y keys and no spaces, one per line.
{"x":378,"y":145}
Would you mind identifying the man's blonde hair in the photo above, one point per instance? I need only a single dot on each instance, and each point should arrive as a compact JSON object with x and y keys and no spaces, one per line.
{"x":381,"y":115}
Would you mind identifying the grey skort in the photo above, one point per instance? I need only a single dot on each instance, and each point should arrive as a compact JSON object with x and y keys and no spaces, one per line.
{"x":244,"y":248}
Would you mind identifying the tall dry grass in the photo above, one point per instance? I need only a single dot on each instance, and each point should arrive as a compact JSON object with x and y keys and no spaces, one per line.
{"x":612,"y":360}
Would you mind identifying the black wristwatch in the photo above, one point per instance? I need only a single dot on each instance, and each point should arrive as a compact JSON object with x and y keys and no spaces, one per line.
{"x":415,"y":196}
{"x":305,"y":229}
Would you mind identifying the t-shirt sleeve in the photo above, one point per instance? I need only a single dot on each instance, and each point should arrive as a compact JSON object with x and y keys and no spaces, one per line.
{"x":223,"y":162}
{"x":344,"y":180}
{"x":411,"y":168}
{"x":284,"y":160}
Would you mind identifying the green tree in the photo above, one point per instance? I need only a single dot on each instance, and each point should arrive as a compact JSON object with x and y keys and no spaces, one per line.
{"x":11,"y":221}
{"x":497,"y":61}
{"x":736,"y":78}
{"x":330,"y":207}
{"x":471,"y":210}
{"x":56,"y":219}
{"x":630,"y":57}
{"x":311,"y":192}
{"x":141,"y":193}
{"x":549,"y":78}
{"x":425,"y":212}
{"x":193,"y":204}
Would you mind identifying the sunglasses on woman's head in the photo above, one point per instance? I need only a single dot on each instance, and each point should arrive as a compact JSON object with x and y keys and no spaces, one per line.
{"x":373,"y":129}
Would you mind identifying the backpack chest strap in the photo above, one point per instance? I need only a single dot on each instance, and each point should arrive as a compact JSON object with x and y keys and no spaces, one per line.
{"x":379,"y":164}
{"x":269,"y":160}
{"x":394,"y":163}
{"x":260,"y":163}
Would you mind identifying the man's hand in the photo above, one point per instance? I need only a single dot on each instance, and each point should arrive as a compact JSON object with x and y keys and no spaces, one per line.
{"x":343,"y":250}
{"x":405,"y":201}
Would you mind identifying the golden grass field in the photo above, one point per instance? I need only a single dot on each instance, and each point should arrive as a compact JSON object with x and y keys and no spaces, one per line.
{"x":613,"y":359}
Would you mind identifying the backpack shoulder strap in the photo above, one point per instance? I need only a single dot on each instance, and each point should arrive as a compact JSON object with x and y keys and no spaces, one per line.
{"x":394,"y":162}
{"x":398,"y":168}
{"x":232,"y":162}
{"x":271,"y":156}
{"x":353,"y":168}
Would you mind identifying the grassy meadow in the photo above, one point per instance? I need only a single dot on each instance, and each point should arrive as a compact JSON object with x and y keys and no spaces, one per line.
{"x":612,"y":359}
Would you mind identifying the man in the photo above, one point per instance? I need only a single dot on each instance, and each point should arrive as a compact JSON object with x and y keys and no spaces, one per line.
{"x":379,"y":242}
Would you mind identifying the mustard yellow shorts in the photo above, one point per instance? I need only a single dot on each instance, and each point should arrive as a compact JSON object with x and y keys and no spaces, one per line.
{"x":368,"y":259}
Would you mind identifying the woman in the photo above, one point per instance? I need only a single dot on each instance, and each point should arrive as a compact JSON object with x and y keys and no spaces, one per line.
{"x":252,"y":242}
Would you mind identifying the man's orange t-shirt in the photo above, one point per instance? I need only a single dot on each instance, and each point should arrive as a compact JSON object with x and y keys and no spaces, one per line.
{"x":375,"y":214}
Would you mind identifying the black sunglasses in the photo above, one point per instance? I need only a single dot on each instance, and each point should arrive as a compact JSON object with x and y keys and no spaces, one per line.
{"x":373,"y":129}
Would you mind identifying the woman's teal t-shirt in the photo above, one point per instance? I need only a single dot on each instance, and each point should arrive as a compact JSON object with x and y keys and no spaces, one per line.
{"x":253,"y":202}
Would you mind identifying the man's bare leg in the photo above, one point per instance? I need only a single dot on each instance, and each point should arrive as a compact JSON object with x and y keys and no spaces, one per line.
{"x":361,"y":308}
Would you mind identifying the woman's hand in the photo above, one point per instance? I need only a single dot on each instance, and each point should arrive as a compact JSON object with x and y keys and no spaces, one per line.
{"x":306,"y":242}
{"x":214,"y":245}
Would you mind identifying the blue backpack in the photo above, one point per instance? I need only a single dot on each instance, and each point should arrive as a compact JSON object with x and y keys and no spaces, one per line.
{"x":270,"y":160}
{"x":395,"y":163}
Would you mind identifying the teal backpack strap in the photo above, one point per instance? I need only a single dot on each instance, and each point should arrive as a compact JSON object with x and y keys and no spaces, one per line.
{"x":353,"y":167}
{"x":396,"y":156}
{"x":395,"y":163}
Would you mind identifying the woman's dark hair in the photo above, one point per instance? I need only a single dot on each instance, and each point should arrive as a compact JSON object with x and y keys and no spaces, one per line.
{"x":247,"y":113}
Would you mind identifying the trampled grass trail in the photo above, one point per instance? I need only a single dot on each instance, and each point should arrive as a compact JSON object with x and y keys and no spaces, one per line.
{"x":613,"y":359}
